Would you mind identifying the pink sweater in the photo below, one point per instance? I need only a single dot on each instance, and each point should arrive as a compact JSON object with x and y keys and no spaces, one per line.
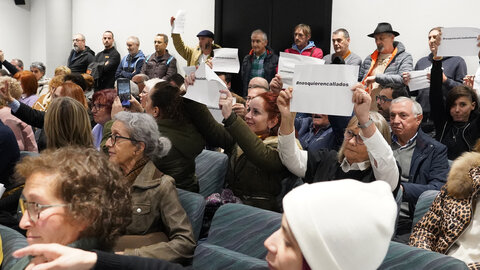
{"x":23,"y":132}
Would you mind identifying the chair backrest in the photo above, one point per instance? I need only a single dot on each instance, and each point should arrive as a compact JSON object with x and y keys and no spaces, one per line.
{"x":194,"y":205}
{"x":401,"y":256}
{"x":243,"y":228}
{"x":210,"y":168}
{"x":11,"y":241}
{"x":423,"y":204}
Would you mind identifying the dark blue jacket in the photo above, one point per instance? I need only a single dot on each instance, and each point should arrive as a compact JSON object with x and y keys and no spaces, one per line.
{"x":269,"y":66}
{"x":428,"y":169}
{"x":323,"y":139}
{"x":130,"y":66}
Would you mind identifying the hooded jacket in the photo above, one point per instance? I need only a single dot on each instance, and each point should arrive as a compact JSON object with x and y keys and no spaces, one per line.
{"x":309,"y":50}
{"x":269,"y":67}
{"x":400,"y":62}
{"x":130,"y":66}
{"x":452,"y":210}
{"x":78,"y":63}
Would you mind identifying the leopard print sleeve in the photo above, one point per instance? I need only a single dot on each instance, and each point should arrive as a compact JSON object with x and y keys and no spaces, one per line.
{"x":427,"y":231}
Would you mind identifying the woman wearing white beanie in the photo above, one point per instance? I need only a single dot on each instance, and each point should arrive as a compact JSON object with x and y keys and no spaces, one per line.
{"x":344,"y":224}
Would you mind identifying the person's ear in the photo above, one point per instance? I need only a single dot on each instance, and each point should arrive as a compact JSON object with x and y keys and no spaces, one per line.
{"x":140,"y":148}
{"x":156,"y":112}
{"x":271,"y":123}
{"x":419,"y":118}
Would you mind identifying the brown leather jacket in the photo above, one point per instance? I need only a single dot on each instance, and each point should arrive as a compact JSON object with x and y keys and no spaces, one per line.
{"x":452,"y":210}
{"x":156,"y":208}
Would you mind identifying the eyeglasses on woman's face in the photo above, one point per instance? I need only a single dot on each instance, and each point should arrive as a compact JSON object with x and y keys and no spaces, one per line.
{"x":34,"y":209}
{"x":349,"y":134}
{"x":115,"y":137}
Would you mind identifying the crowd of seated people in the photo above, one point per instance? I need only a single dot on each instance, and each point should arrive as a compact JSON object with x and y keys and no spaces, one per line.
{"x":137,"y":156}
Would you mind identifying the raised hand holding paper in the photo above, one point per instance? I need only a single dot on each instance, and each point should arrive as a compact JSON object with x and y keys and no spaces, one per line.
{"x":179,"y":23}
{"x":206,"y":87}
{"x":226,"y":60}
{"x":287,"y":62}
{"x":418,"y":80}
{"x":459,"y":41}
{"x":323,"y":89}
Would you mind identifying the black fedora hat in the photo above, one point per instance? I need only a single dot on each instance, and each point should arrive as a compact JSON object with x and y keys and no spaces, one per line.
{"x":383,"y":27}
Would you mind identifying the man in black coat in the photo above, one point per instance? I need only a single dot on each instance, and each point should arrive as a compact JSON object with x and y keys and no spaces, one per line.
{"x":81,"y":56}
{"x":106,"y":63}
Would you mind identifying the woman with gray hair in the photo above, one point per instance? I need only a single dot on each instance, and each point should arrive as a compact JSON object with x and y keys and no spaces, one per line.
{"x":38,"y":69}
{"x":160,"y":227}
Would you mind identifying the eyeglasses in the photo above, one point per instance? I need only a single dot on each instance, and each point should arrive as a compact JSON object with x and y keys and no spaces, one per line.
{"x":383,"y":99}
{"x":34,"y":209}
{"x":77,"y":40}
{"x":98,"y":106}
{"x":114,"y":139}
{"x":349,"y":135}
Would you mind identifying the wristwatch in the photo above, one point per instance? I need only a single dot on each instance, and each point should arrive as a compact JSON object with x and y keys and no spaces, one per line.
{"x":366,"y":125}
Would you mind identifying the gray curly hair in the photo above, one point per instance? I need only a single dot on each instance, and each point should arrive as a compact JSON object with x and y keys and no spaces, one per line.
{"x":142,"y":127}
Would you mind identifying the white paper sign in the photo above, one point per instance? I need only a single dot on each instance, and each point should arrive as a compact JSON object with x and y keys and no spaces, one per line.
{"x":226,"y":60}
{"x":179,"y":23}
{"x":324,"y":89}
{"x":287,"y":62}
{"x":459,"y":41}
{"x":189,"y":69}
{"x":206,"y":88}
{"x":2,"y":190}
{"x":418,"y":80}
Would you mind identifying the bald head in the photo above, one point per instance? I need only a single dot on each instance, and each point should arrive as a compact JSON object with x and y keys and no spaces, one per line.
{"x":258,"y":82}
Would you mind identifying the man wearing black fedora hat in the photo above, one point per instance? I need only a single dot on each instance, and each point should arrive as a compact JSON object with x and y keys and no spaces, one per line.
{"x":201,"y":53}
{"x":387,"y":63}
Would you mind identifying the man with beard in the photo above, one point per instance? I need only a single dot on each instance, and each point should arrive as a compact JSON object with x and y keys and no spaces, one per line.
{"x":388,"y":93}
{"x":302,"y":43}
{"x":81,"y":56}
{"x":386,"y":64}
{"x":106,"y":63}
{"x":201,"y":53}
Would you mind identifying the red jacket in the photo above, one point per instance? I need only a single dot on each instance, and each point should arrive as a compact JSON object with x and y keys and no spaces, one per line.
{"x":310,"y":50}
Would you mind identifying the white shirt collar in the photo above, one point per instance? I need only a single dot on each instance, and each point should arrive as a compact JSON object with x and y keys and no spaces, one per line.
{"x":362,"y":166}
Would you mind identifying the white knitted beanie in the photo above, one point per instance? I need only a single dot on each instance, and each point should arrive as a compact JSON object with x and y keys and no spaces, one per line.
{"x":342,"y":224}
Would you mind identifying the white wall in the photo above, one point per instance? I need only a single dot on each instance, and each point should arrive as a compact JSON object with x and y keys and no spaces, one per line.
{"x":141,"y":18}
{"x":411,"y":18}
{"x":41,"y":30}
{"x":15,"y":30}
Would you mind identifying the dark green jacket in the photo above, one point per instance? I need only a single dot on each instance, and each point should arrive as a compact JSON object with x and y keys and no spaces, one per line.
{"x":255,"y":169}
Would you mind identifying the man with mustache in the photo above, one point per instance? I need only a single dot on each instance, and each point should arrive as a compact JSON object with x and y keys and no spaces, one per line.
{"x":386,"y":64}
{"x":303,"y":45}
{"x":81,"y":55}
{"x":198,"y":55}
